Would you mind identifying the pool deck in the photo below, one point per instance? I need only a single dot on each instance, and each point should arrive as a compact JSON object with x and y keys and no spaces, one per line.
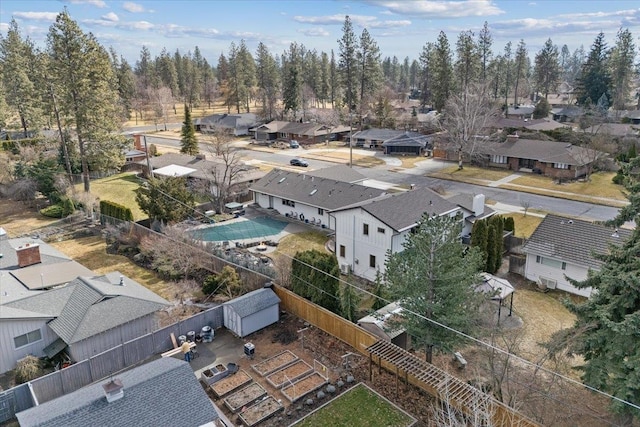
{"x":292,"y":227}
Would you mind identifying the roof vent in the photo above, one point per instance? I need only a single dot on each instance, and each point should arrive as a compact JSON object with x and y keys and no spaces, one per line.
{"x":282,"y":180}
{"x":570,"y":221}
{"x":113,"y":390}
{"x":121,"y":281}
{"x":430,"y":202}
{"x":314,"y":191}
{"x":615,"y":233}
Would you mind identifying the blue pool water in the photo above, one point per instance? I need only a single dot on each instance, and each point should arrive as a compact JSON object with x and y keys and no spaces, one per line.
{"x":248,"y":229}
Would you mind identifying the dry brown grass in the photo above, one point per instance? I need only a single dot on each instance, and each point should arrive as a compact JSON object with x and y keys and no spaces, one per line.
{"x":525,"y":225}
{"x":410,"y":162}
{"x":294,"y":243}
{"x":92,"y":253}
{"x":18,"y":218}
{"x":600,"y":185}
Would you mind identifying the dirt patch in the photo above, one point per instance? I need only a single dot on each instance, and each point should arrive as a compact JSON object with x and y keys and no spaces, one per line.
{"x":289,"y":374}
{"x":260,"y":411}
{"x":274,"y":363}
{"x":19,"y":218}
{"x":230,"y":384}
{"x":244,"y":397}
{"x":303,"y":386}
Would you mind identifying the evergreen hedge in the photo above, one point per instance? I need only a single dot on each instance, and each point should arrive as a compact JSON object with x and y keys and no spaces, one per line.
{"x":114,"y":210}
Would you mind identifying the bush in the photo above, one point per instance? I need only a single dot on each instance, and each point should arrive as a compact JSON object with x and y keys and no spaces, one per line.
{"x":618,"y":178}
{"x":114,"y":210}
{"x":27,"y":369}
{"x":53,"y":211}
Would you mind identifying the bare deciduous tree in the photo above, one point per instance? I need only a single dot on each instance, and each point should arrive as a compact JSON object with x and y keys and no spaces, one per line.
{"x":466,"y":115}
{"x":162,"y":101}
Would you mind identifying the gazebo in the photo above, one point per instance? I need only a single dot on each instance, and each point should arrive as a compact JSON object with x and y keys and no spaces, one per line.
{"x":500,"y":289}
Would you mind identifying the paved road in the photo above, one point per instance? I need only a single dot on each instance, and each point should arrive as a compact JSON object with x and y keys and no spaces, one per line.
{"x":416,"y":176}
{"x":151,"y":128}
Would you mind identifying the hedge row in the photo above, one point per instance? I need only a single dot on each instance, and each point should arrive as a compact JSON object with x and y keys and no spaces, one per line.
{"x":114,"y":210}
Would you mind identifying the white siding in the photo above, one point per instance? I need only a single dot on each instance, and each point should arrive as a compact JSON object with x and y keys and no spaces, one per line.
{"x":259,"y":320}
{"x":9,"y":329}
{"x":534,"y":271}
{"x":232,"y":321}
{"x":309,"y":212}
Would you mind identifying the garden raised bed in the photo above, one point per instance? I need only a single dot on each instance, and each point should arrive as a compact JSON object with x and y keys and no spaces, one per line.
{"x":231,"y":383}
{"x":274,"y":363}
{"x":217,"y":373}
{"x":244,"y":397}
{"x":303,"y":386}
{"x":260,"y":411}
{"x":289,"y":374}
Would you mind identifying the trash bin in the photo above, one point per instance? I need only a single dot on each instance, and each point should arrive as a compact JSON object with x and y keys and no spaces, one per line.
{"x":207,"y":334}
{"x":191,"y":336}
{"x":249,"y":350}
{"x":182,"y":339}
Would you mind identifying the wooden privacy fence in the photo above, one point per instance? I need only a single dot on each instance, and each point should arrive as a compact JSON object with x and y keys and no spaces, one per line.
{"x":102,"y":365}
{"x":436,"y":382}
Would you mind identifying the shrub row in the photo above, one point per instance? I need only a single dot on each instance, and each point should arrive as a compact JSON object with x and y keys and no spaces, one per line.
{"x":114,"y":210}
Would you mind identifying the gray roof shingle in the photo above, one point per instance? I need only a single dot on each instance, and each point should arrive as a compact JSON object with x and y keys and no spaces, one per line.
{"x":330,"y":194}
{"x":253,"y":302}
{"x":573,"y":240}
{"x":543,"y":151}
{"x":342,"y":172}
{"x":403,"y":210}
{"x":160,"y":393}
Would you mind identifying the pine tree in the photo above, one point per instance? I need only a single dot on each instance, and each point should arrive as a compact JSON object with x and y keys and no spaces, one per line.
{"x":314,"y":275}
{"x":348,"y":46}
{"x":442,"y":71}
{"x":468,"y":64}
{"x":542,"y":109}
{"x":81,"y":70}
{"x":349,"y":301}
{"x":267,"y":81}
{"x":368,"y":57}
{"x":435,"y":277}
{"x":166,"y":199}
{"x":292,"y":79}
{"x":188,"y":140}
{"x":492,"y":234}
{"x":479,"y":236}
{"x":520,"y":68}
{"x":621,"y":64}
{"x":547,"y":68}
{"x":594,"y":79}
{"x":498,"y":222}
{"x":485,"y":40}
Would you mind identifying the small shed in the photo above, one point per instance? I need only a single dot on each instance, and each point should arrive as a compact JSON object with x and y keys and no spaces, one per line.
{"x":251,"y":312}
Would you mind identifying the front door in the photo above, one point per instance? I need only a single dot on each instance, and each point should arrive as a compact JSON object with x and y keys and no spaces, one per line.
{"x":526,"y":163}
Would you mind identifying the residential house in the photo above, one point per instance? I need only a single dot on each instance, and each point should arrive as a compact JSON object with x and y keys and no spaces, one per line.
{"x":473,"y":209}
{"x":308,"y":198}
{"x":562,"y":248}
{"x":160,"y":393}
{"x":528,"y":124}
{"x":392,"y":141}
{"x":367,"y":230}
{"x":620,"y":130}
{"x":568,"y":113}
{"x":520,"y":112}
{"x":559,"y":160}
{"x":345,"y":173}
{"x":385,"y":324}
{"x":203,"y":168}
{"x":234,"y":124}
{"x":87,"y":316}
{"x":303,"y":132}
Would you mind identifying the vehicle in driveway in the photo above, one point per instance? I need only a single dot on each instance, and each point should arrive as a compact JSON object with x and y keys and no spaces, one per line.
{"x":294,"y":144}
{"x":298,"y":162}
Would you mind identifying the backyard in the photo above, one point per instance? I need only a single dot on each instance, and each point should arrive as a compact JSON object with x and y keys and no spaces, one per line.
{"x":119,"y":188}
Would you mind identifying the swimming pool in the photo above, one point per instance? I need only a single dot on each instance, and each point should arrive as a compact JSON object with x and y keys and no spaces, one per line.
{"x":245,"y":229}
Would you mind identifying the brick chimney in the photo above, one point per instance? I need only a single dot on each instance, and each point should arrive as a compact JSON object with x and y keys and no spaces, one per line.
{"x":28,"y":254}
{"x":113,"y":390}
{"x":137,"y":142}
{"x":512,"y":138}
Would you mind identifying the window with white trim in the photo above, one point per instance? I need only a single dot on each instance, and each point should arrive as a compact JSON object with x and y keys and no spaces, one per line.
{"x":28,"y":338}
{"x":498,"y":159}
{"x":551,"y":262}
{"x":560,"y":166}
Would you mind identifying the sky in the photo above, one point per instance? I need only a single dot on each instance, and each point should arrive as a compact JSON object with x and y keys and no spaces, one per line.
{"x":400,"y":27}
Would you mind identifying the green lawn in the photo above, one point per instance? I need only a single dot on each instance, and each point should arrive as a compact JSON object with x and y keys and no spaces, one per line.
{"x":120,"y":189}
{"x":525,"y":225}
{"x":358,"y":407}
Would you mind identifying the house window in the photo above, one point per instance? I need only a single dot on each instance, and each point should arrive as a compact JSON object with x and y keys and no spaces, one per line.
{"x":551,"y":284}
{"x":498,"y":159}
{"x":320,"y":211}
{"x":27,"y":338}
{"x":381,"y":230}
{"x":289,"y":203}
{"x":561,"y":166}
{"x":365,"y":229}
{"x":372,"y":261}
{"x":342,"y":251}
{"x":551,"y":262}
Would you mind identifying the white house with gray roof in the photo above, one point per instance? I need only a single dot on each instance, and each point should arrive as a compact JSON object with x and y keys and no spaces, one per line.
{"x":367,"y":230}
{"x":562,"y":247}
{"x":160,"y":393}
{"x":308,"y":198}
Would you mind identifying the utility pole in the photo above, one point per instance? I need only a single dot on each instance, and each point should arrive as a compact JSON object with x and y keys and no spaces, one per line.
{"x":146,"y":151}
{"x":350,"y":138}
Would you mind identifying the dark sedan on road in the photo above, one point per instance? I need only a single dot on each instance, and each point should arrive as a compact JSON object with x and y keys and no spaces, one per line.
{"x":299,"y":162}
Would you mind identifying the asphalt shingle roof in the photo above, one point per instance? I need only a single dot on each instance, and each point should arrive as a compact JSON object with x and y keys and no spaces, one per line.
{"x":384,"y":134}
{"x":543,"y":151}
{"x":329,"y":194}
{"x":253,"y":302}
{"x":403,"y":210}
{"x":160,"y":393}
{"x":46,"y":304}
{"x":573,"y":240}
{"x":341,"y":172}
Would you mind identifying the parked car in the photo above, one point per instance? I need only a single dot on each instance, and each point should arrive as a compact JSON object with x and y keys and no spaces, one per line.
{"x":299,"y":162}
{"x":294,"y":144}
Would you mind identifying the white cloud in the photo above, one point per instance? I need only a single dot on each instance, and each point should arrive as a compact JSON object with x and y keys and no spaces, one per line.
{"x":440,"y":9}
{"x":137,"y":25}
{"x":110,"y":17}
{"x":626,"y":12}
{"x":36,"y":16}
{"x":97,"y":3}
{"x":315,"y":32}
{"x":357,"y":20}
{"x":4,"y":27}
{"x":133,"y":7}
